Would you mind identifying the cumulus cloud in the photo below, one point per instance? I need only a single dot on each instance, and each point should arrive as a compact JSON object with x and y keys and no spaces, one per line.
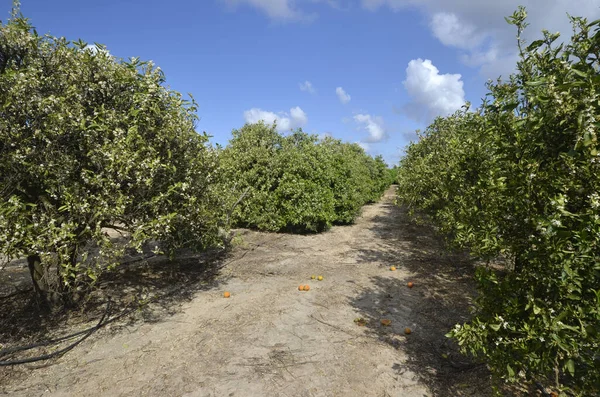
{"x":342,"y":95}
{"x":373,"y":125}
{"x":478,"y":29}
{"x":308,"y":87}
{"x":296,"y":118}
{"x":432,"y":94}
{"x":451,"y":31}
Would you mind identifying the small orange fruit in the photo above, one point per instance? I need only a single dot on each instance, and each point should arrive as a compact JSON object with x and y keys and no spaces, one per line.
{"x":320,"y":278}
{"x":407,"y":331}
{"x":301,"y":288}
{"x":226,"y":294}
{"x":306,"y":287}
{"x":393,"y":268}
{"x":385,"y":322}
{"x":410,"y":284}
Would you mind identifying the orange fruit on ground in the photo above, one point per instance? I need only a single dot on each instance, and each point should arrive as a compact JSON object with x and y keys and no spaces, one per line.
{"x":386,"y":322}
{"x":393,"y":268}
{"x":407,"y":331}
{"x":320,"y":278}
{"x":306,"y":287}
{"x":301,"y":288}
{"x":410,"y":284}
{"x":226,"y":294}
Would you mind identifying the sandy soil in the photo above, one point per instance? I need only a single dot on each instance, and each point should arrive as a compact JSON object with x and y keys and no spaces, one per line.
{"x":269,"y":339}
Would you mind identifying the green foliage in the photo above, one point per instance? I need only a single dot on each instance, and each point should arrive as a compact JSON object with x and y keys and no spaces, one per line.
{"x":520,"y":177}
{"x":393,"y":174}
{"x":88,"y":142}
{"x":295,"y":182}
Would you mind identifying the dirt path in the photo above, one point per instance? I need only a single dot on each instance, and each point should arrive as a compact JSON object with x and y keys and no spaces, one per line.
{"x":269,"y":339}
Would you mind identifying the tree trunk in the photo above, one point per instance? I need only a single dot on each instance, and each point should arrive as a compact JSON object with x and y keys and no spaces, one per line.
{"x":38,"y":278}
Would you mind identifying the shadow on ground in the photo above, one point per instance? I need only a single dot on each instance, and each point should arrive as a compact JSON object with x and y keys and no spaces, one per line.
{"x":441,"y":297}
{"x":150,"y":289}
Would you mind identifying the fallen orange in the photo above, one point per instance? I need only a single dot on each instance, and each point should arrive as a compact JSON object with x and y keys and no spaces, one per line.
{"x":306,"y":287}
{"x":393,"y":268}
{"x":301,"y":288}
{"x":410,"y":284}
{"x":407,"y":331}
{"x":226,"y":294}
{"x":385,"y":322}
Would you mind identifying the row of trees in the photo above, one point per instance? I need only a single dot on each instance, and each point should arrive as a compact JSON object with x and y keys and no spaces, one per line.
{"x":520,"y":178}
{"x":89,"y":144}
{"x":298,"y":182}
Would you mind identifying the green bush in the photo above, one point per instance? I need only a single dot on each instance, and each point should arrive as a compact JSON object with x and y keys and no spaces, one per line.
{"x":87,"y":143}
{"x":296,"y":182}
{"x":520,"y":177}
{"x":351,"y":174}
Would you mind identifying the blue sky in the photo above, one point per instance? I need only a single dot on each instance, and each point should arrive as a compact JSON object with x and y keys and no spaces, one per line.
{"x":368,"y":71}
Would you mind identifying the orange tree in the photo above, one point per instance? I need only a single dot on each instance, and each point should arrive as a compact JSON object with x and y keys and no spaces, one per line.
{"x":296,"y":182}
{"x":520,"y":177}
{"x":88,"y":142}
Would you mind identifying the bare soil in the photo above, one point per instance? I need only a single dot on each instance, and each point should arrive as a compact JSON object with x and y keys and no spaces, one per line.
{"x":269,"y":338}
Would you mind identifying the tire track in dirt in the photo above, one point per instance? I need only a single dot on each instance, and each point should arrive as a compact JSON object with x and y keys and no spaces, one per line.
{"x":269,"y":339}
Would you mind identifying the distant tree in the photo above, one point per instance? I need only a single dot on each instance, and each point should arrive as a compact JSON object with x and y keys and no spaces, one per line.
{"x":296,"y":182}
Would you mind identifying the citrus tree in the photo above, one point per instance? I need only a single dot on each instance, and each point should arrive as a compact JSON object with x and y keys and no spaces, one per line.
{"x":89,"y":142}
{"x":520,"y":177}
{"x":297,"y":182}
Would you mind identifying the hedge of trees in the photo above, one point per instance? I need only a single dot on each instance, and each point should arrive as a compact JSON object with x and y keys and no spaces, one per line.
{"x":298,"y":182}
{"x":520,"y":178}
{"x":90,"y":143}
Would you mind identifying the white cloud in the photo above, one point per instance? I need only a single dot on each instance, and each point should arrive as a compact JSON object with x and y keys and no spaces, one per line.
{"x":373,"y":125}
{"x":478,"y":28}
{"x":296,"y":118}
{"x":364,"y":146}
{"x":342,"y":95}
{"x":308,"y":87}
{"x":282,"y":10}
{"x":451,"y":31}
{"x":432,"y":94}
{"x":275,"y":9}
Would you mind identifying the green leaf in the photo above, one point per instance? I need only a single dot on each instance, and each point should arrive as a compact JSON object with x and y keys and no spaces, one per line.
{"x":536,"y":83}
{"x":579,"y":73}
{"x":535,"y":45}
{"x":596,"y":22}
{"x":571,"y":366}
{"x":509,"y":107}
{"x":511,"y":372}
